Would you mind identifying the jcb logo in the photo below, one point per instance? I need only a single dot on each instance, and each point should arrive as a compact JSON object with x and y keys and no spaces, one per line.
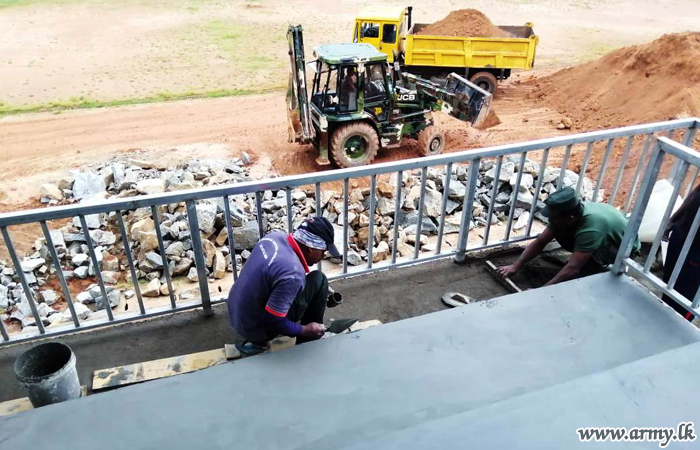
{"x":407,"y":97}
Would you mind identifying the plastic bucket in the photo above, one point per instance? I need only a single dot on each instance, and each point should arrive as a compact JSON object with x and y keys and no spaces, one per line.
{"x":47,"y":373}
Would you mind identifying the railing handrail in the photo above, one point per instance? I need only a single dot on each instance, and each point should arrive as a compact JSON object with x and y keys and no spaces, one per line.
{"x":292,"y":181}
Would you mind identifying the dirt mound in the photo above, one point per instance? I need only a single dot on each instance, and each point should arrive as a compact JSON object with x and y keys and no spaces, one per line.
{"x":466,"y":23}
{"x":631,"y":85}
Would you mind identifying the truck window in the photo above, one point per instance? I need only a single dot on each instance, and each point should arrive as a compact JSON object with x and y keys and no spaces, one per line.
{"x":389,"y":33}
{"x":370,"y":30}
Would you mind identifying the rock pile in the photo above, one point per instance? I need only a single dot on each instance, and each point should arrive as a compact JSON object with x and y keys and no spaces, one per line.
{"x":119,"y":179}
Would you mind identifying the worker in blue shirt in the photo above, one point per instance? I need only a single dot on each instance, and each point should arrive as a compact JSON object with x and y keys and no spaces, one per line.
{"x":276,"y":293}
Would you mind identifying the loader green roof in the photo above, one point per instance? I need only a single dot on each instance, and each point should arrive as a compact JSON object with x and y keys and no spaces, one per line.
{"x":348,"y":53}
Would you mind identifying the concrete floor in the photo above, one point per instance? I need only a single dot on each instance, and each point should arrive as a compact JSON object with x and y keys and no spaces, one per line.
{"x":387,"y":296}
{"x":520,"y":371}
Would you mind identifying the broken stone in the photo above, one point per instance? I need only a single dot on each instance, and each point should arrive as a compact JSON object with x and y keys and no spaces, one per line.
{"x":457,"y":189}
{"x":432,"y":203}
{"x":175,"y":249}
{"x":100,"y":237}
{"x":381,"y":252}
{"x":411,"y":218}
{"x":87,"y":185}
{"x":49,"y":296}
{"x":245,"y":159}
{"x":30,"y":265}
{"x":246,"y":236}
{"x":354,"y":258}
{"x":50,"y":191}
{"x":152,"y":288}
{"x":385,"y":189}
{"x":526,"y":182}
{"x":192,"y":274}
{"x":66,"y":183}
{"x":522,"y":221}
{"x":150,"y":186}
{"x":206,"y":216}
{"x":507,"y":171}
{"x":110,"y":262}
{"x":386,"y":206}
{"x":82,"y":312}
{"x":155,"y":260}
{"x":182,"y":266}
{"x":110,"y":277}
{"x":164,"y":289}
{"x":219,"y":266}
{"x":189,"y":294}
{"x":112,"y":298}
{"x":128,"y":294}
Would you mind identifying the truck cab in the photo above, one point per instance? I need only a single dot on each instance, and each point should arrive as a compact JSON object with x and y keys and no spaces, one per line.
{"x":382,"y":27}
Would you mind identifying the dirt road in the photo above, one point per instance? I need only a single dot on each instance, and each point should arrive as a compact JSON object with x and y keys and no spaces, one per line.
{"x":43,"y":147}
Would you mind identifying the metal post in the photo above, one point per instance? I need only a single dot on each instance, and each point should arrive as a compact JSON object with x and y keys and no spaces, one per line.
{"x":231,"y":243}
{"x":636,"y":219}
{"x":164,"y":257}
{"x":258,"y":214}
{"x":467,"y":210}
{"x":397,"y":210}
{"x":370,"y":238}
{"x":288,"y":197}
{"x":603,"y":167}
{"x":514,"y":199}
{"x":540,"y":180}
{"x":23,"y":280}
{"x":59,"y":273}
{"x":691,"y":181}
{"x":564,"y":164}
{"x":584,"y":167}
{"x":130,"y":261}
{"x":199,"y":262}
{"x":664,"y":220}
{"x":346,"y":187}
{"x":637,"y":172}
{"x":421,"y":203}
{"x":620,"y":171}
{"x":494,"y":193}
{"x":5,"y":336}
{"x":96,"y":265}
{"x":318,"y":214}
{"x":443,"y":207}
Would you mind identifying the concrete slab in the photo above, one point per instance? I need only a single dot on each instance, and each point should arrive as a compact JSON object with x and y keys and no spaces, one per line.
{"x":353,"y":391}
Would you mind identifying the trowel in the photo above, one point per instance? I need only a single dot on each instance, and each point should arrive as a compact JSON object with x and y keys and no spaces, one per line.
{"x":340,"y":325}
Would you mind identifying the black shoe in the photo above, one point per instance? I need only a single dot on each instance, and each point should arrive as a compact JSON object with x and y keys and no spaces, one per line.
{"x":248,"y":348}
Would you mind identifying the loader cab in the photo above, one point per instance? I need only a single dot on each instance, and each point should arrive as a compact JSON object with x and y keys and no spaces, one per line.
{"x":349,"y":79}
{"x":383,"y":28}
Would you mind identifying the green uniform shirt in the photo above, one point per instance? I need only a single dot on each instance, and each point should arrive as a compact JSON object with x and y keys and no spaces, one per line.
{"x":600,"y":232}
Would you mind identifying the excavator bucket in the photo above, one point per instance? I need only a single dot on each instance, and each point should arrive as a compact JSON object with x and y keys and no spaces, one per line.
{"x":298,"y":113}
{"x":465,"y":100}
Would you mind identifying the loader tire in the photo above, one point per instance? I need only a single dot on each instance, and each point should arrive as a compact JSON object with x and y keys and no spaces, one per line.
{"x":431,"y":141}
{"x":354,"y":144}
{"x":485,"y":80}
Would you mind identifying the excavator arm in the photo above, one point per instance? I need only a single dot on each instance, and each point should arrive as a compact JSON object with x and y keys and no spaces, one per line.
{"x":457,"y":97}
{"x":298,"y":108}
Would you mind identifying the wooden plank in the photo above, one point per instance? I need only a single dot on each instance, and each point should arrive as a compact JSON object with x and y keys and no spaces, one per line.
{"x":505,"y":281}
{"x":23,"y":404}
{"x":159,"y":368}
{"x":177,"y":365}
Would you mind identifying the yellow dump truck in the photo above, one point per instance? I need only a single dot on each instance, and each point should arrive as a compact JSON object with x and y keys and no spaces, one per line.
{"x":482,"y":60}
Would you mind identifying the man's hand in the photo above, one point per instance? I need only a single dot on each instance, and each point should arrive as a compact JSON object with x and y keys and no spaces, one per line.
{"x":508,"y":271}
{"x":312,"y":331}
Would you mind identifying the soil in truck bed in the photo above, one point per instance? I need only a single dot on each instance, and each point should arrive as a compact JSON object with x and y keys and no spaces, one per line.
{"x":464,"y":23}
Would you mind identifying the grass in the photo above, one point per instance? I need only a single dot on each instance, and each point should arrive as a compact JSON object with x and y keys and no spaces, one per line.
{"x":88,"y":103}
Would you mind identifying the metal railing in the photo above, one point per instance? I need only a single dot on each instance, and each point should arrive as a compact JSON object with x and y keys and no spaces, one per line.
{"x":637,"y":143}
{"x":686,"y":158}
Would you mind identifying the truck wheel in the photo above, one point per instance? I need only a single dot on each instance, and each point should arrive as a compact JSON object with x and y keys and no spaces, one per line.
{"x":431,"y":141}
{"x":485,"y":80}
{"x":354,"y":144}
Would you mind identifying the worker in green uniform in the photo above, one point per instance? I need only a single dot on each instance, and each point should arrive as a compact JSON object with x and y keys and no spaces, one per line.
{"x":592,"y":232}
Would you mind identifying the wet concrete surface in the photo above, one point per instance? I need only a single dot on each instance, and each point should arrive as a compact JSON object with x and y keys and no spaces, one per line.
{"x":387,"y":296}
